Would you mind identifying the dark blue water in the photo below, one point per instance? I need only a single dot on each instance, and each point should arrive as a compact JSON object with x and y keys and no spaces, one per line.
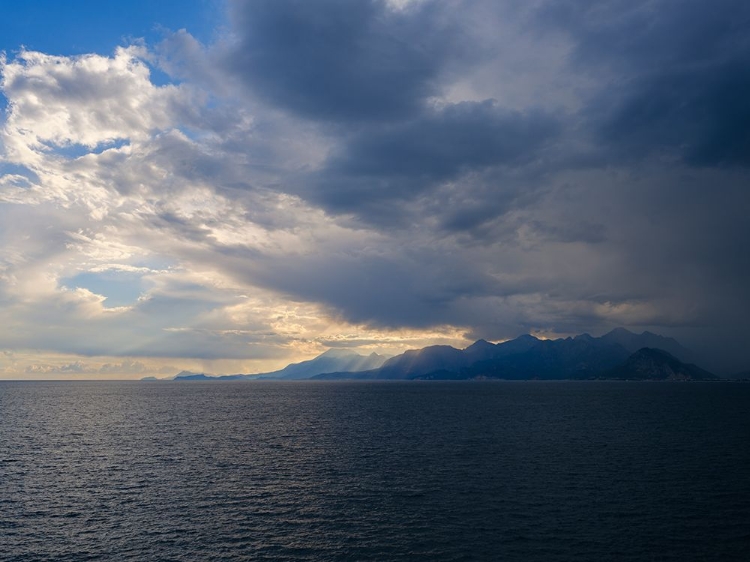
{"x":526,"y":471}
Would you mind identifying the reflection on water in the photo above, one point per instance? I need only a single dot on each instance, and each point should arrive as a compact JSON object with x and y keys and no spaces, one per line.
{"x":374,"y":471}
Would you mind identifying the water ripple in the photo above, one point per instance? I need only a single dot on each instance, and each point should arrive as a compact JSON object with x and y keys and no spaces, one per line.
{"x":374,"y":471}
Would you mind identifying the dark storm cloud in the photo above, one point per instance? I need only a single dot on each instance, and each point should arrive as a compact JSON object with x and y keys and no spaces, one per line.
{"x":676,"y":76}
{"x":370,"y":70}
{"x":702,"y":117}
{"x":414,"y":288}
{"x":400,"y":162}
{"x":340,"y":60}
{"x":574,"y":231}
{"x":674,"y":90}
{"x":644,"y":34}
{"x":599,"y":183}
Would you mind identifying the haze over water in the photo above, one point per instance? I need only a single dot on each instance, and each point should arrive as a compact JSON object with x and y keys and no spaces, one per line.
{"x":532,"y":471}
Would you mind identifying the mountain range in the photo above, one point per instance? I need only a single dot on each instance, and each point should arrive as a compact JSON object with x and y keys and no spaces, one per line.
{"x":619,"y":354}
{"x":340,"y":360}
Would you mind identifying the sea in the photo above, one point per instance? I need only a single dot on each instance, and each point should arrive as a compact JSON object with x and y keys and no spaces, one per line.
{"x":435,"y":471}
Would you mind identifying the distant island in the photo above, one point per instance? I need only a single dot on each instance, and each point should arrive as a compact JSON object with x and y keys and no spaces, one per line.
{"x":617,"y":355}
{"x":339,"y":360}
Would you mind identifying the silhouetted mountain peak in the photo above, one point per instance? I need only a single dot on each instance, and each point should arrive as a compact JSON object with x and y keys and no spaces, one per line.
{"x":480,"y":350}
{"x":633,"y":342}
{"x":421,"y":361}
{"x":657,"y":364}
{"x":480,"y":347}
{"x":480,"y":344}
{"x":334,"y":359}
{"x":525,"y":337}
{"x":189,"y":376}
{"x":518,"y":345}
{"x":619,"y":332}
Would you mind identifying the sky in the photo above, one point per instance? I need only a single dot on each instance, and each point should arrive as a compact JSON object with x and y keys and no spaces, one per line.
{"x":231,"y":186}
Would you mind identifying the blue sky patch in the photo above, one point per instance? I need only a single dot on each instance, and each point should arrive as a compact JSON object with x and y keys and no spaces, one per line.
{"x":122,"y":288}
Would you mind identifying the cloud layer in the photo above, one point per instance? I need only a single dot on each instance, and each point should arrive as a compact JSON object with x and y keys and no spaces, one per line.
{"x":338,"y":173}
